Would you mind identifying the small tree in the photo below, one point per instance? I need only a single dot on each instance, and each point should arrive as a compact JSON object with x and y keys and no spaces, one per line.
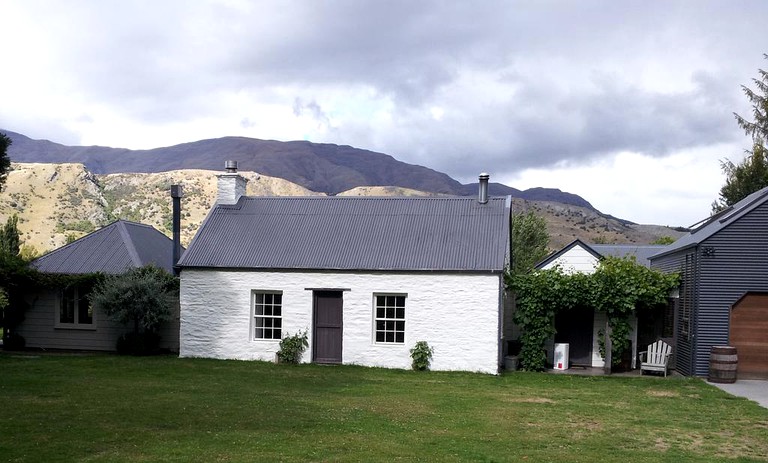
{"x":528,"y":241}
{"x":9,"y":237}
{"x":663,"y":240}
{"x":142,"y":297}
{"x":5,"y":162}
{"x":10,"y":264}
{"x":28,"y":253}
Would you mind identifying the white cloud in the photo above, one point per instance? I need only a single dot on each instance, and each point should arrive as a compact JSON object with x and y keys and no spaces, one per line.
{"x":519,"y":89}
{"x":677,"y":190}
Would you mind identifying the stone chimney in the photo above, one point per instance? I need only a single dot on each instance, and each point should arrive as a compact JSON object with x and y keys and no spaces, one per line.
{"x":231,"y":184}
{"x":482,"y":194}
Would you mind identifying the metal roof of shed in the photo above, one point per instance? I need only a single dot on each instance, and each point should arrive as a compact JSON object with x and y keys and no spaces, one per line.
{"x":113,"y":249}
{"x":354,"y":233}
{"x":642,"y":252}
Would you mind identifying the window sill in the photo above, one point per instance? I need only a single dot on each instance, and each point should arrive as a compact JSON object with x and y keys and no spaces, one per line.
{"x":75,"y":327}
{"x":388,"y":344}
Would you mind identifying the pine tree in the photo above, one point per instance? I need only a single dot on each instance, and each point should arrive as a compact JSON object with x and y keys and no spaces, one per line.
{"x":751,"y":174}
{"x":758,"y":128}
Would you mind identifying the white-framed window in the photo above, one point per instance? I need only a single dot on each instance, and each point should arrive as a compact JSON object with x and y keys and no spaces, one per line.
{"x":389,"y":318}
{"x":687,"y":294}
{"x":267,"y":314}
{"x":74,"y":310}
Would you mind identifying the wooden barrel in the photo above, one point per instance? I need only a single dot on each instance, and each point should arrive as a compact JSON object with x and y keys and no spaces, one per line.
{"x":723,"y":362}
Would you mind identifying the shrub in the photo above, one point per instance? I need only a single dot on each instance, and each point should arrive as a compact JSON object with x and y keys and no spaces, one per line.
{"x":292,"y":348}
{"x":14,"y":341}
{"x":142,"y":296}
{"x":146,"y":343}
{"x":421,"y":355}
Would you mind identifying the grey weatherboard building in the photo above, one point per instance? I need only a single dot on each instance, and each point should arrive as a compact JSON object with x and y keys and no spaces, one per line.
{"x":62,"y":318}
{"x":720,"y":262}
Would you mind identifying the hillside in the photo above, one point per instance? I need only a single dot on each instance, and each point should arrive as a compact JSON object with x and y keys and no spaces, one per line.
{"x":321,"y":167}
{"x":57,"y":201}
{"x":54,"y":201}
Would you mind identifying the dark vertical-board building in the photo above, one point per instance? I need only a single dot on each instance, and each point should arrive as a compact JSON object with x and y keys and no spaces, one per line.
{"x":723,"y":267}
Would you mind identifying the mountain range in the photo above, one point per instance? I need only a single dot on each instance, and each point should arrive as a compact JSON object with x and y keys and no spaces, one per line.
{"x":63,"y":192}
{"x":320,"y":167}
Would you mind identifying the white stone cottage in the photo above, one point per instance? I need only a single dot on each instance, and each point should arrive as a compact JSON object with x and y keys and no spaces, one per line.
{"x":366,"y":277}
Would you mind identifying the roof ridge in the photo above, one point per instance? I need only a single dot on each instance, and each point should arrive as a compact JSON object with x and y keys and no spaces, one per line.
{"x":73,"y":243}
{"x":131,"y":222}
{"x":463,"y":198}
{"x":128,"y":241}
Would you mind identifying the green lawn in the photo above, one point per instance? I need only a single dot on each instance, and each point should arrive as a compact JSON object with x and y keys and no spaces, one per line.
{"x":109,"y":408}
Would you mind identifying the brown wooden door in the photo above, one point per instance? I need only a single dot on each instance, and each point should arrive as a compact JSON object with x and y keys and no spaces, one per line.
{"x":749,"y":335}
{"x":328,"y":326}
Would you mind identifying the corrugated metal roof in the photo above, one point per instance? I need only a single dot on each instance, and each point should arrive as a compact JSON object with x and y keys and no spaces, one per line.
{"x":113,"y":249}
{"x":354,"y":233}
{"x":717,"y":222}
{"x":641,"y":252}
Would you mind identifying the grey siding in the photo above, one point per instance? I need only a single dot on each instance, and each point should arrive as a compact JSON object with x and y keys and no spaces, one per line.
{"x":739,"y":264}
{"x":40,"y":331}
{"x":683,"y":350}
{"x":729,"y":263}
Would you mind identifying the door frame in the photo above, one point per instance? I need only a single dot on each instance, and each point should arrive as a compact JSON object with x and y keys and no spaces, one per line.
{"x":337,"y":293}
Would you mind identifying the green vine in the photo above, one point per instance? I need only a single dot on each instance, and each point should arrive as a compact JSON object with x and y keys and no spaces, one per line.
{"x":620,"y":343}
{"x":619,"y":287}
{"x":18,"y":280}
{"x":601,"y":342}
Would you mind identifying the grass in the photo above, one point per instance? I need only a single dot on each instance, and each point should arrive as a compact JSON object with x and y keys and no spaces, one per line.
{"x":109,"y":408}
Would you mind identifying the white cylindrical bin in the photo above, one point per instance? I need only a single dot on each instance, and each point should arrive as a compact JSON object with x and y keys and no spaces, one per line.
{"x":561,"y":356}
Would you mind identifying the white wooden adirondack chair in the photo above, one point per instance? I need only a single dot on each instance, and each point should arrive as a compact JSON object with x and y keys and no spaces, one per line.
{"x":656,"y":358}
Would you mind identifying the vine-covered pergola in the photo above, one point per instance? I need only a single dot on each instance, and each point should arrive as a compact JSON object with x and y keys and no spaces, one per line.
{"x":620,"y":287}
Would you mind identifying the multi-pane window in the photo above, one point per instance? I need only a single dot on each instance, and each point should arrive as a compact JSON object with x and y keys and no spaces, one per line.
{"x":390,"y":318}
{"x":74,"y":308}
{"x":668,"y":325}
{"x":687,"y":294}
{"x":267,"y":315}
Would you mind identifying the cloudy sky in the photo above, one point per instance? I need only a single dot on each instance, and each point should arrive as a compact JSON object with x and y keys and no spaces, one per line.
{"x":626,"y":103}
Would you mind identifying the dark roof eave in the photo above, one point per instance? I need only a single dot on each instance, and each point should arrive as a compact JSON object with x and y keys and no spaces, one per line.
{"x":673,"y":251}
{"x":344,"y":270}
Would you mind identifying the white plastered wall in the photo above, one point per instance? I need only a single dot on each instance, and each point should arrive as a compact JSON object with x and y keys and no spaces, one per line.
{"x":458,"y":315}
